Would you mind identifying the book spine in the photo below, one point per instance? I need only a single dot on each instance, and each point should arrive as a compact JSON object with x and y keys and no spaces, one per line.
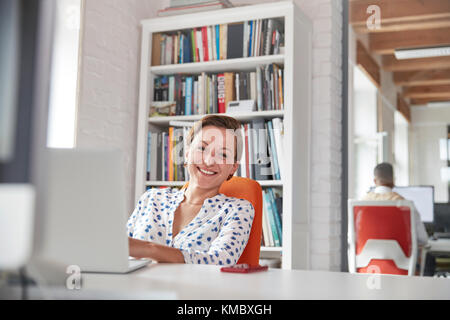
{"x":265,"y":227}
{"x":274,"y":150}
{"x":156,"y":49}
{"x":223,"y":41}
{"x":259,"y":88}
{"x":149,"y":138}
{"x":188,"y":104}
{"x":209,"y":44}
{"x":171,"y":88}
{"x":199,"y":45}
{"x":213,"y":42}
{"x":245,"y":40}
{"x":276,"y":215}
{"x":194,"y":45}
{"x":170,"y":154}
{"x":278,"y":133}
{"x":195,"y":99}
{"x":250,"y":40}
{"x":221,"y":92}
{"x":217,"y":41}
{"x":205,"y":44}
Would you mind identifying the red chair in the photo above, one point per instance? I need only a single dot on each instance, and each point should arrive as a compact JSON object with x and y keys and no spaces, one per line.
{"x":381,"y":237}
{"x":250,"y":190}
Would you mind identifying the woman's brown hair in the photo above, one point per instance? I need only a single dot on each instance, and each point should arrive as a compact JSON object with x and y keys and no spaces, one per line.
{"x":219,"y":121}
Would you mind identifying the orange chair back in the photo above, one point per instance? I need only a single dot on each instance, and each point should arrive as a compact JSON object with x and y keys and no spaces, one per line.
{"x":383,"y":222}
{"x":250,"y":190}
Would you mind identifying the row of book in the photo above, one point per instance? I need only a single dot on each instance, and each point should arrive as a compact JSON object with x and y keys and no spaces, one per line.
{"x":261,"y":159}
{"x":272,"y":217}
{"x":211,"y":93}
{"x":219,"y":42}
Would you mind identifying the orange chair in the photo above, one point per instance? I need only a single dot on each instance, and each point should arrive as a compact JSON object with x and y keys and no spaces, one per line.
{"x":250,"y":190}
{"x":381,"y":237}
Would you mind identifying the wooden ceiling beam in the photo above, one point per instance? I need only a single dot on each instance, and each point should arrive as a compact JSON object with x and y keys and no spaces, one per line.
{"x":422,"y":77}
{"x":403,"y":107}
{"x":367,"y":64}
{"x":441,"y":91}
{"x":422,"y":101}
{"x":388,"y":42}
{"x":398,"y":10}
{"x":421,"y":23}
{"x":390,"y":63}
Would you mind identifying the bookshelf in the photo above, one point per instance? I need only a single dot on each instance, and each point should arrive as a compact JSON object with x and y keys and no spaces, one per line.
{"x":296,"y":113}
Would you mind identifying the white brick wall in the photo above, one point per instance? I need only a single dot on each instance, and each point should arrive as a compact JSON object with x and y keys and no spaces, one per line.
{"x":108,"y":102}
{"x":109,"y":78}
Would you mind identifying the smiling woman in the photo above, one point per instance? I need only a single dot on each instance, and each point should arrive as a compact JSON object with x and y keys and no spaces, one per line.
{"x":198,"y":224}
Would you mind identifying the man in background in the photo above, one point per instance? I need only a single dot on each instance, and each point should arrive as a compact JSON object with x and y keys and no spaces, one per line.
{"x":384,"y":182}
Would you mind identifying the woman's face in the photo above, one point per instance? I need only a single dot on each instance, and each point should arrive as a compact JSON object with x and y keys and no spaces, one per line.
{"x":210,"y":157}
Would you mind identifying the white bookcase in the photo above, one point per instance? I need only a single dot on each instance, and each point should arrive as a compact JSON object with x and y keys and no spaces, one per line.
{"x":296,"y":114}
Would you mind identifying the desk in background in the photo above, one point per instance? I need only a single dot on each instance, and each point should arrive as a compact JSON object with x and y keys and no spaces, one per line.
{"x":438,"y":246}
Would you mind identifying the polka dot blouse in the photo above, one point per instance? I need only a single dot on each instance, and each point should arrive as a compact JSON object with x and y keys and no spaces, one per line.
{"x":217,"y":235}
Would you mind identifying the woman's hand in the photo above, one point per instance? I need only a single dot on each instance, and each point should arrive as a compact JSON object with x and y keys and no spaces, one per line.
{"x":144,"y":249}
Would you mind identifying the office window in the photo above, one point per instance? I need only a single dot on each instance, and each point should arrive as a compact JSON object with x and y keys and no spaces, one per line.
{"x":62,"y":109}
{"x":365,"y":138}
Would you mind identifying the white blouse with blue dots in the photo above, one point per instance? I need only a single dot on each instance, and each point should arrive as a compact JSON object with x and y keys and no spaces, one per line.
{"x":217,"y":235}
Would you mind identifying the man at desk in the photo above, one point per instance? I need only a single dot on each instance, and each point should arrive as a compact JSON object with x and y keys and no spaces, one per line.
{"x":384,"y":182}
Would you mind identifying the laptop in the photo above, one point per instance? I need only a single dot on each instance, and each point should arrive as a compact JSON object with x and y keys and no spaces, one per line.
{"x":86,"y":215}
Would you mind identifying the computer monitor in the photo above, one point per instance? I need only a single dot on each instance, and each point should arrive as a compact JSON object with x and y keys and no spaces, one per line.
{"x":442,"y":217}
{"x":423,"y":198}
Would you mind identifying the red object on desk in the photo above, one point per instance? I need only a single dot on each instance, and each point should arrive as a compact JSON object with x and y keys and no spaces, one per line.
{"x":244,"y":268}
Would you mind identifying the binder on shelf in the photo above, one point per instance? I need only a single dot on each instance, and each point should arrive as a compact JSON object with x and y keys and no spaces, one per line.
{"x":274,"y":159}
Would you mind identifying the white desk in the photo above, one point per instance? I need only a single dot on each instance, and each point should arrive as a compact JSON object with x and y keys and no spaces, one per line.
{"x":434,"y":246}
{"x":172,"y":281}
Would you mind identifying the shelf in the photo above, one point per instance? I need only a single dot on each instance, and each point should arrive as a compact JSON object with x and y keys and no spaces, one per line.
{"x":240,"y":64}
{"x":263,"y":183}
{"x":271,"y":249}
{"x":241,"y":116}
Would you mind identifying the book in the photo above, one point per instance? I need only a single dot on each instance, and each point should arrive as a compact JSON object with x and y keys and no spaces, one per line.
{"x":265,"y":227}
{"x":217,"y":39}
{"x":149,"y":136}
{"x":273,"y":148}
{"x":156,"y":49}
{"x":230,"y":93}
{"x":278,"y":133}
{"x":235,"y":39}
{"x":271,"y":219}
{"x":223,"y":41}
{"x":188,"y":102}
{"x":200,"y":50}
{"x":221,"y":92}
{"x":170,"y":154}
{"x":262,"y":162}
{"x":276,"y":215}
{"x":154,"y":156}
{"x":204,"y":33}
